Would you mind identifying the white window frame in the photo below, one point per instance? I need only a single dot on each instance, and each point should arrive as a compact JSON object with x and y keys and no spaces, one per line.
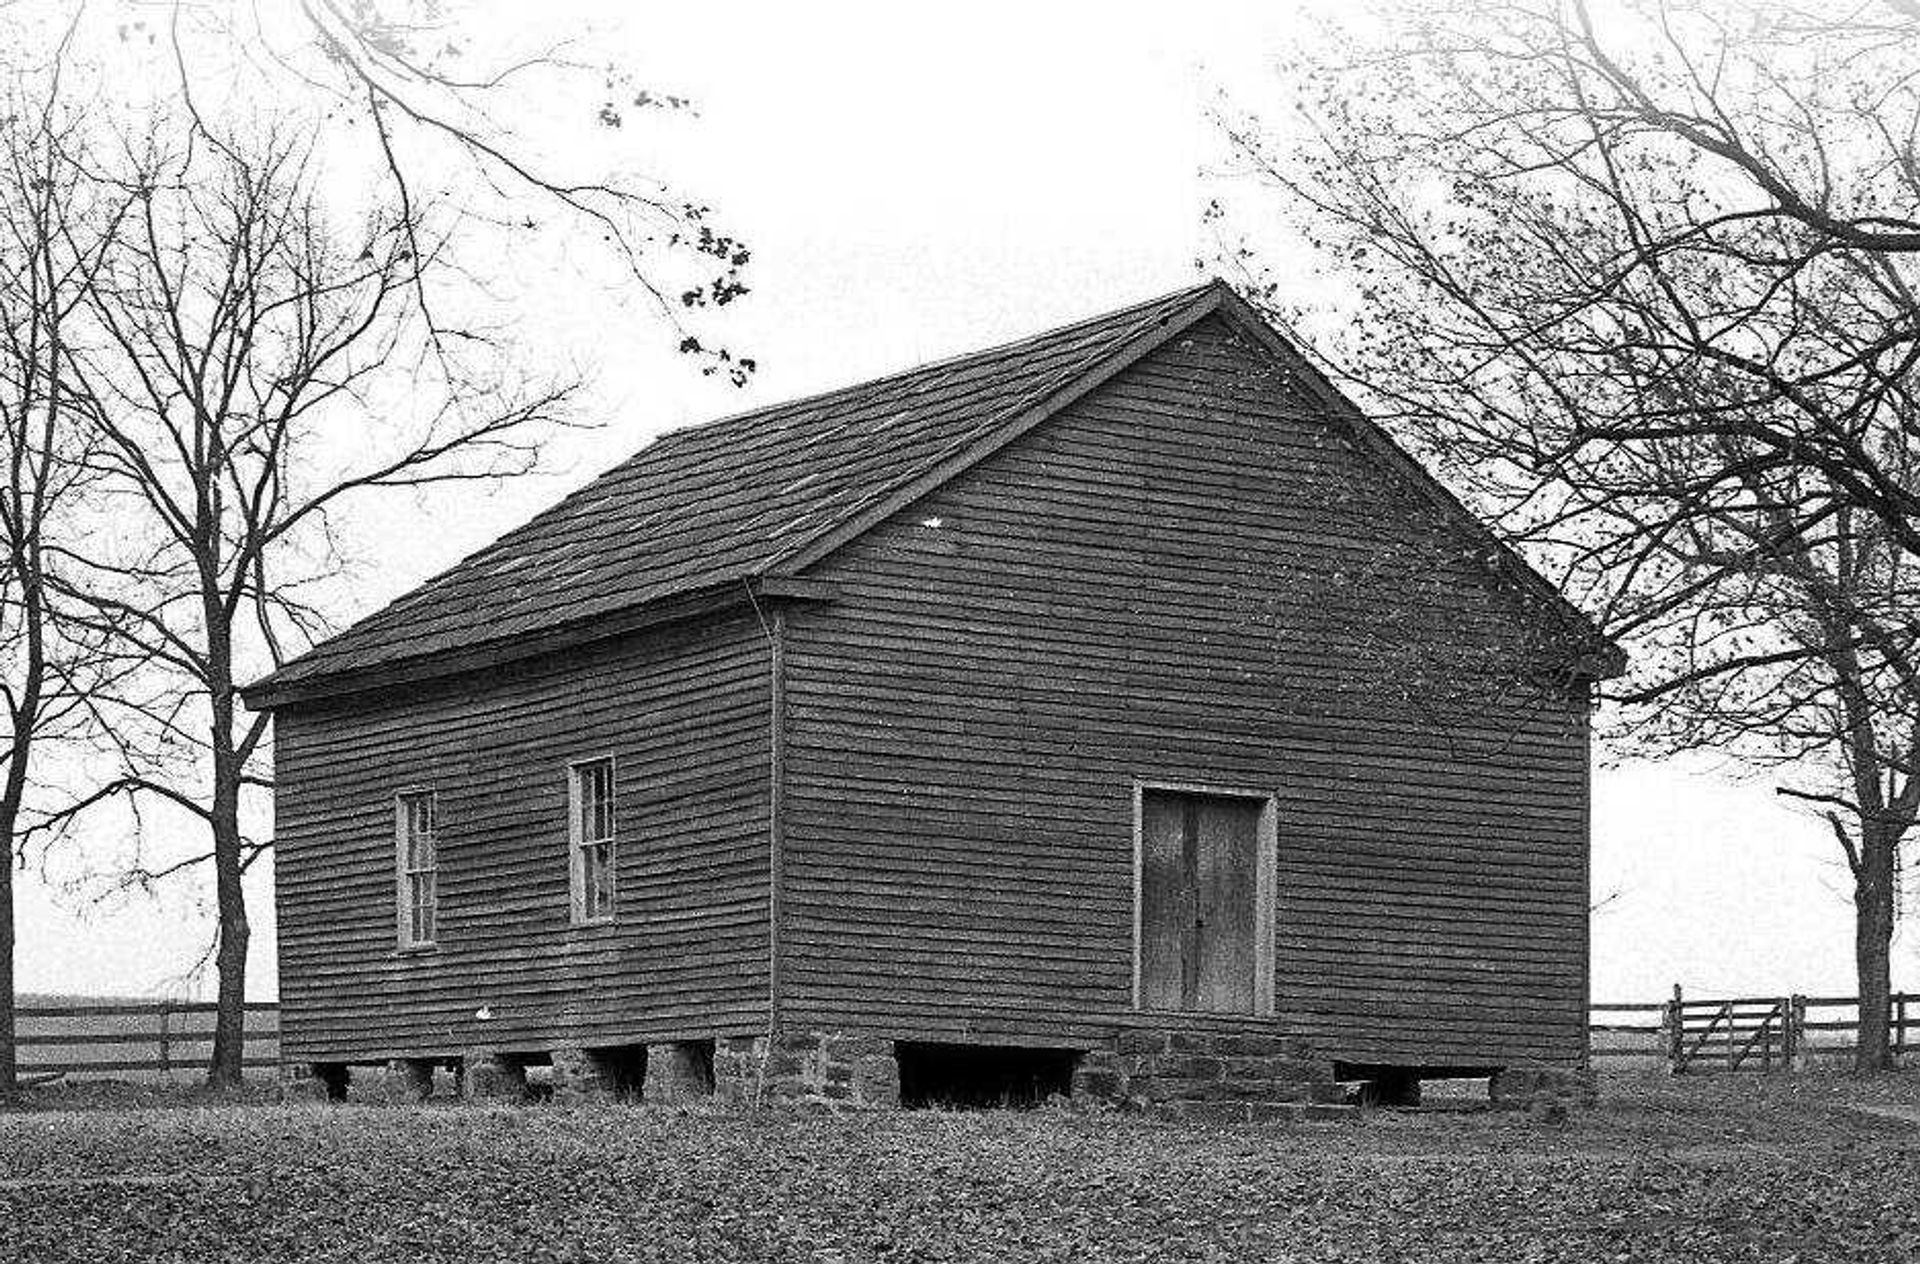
{"x":1266,"y":884}
{"x":580,"y":847}
{"x":406,"y":874}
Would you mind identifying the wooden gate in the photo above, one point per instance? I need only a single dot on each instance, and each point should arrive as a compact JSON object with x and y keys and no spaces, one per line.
{"x":1757,"y":1033}
{"x":1746,"y":1033}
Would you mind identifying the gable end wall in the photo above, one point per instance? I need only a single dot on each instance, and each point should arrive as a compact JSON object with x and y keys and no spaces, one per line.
{"x":1188,"y":576}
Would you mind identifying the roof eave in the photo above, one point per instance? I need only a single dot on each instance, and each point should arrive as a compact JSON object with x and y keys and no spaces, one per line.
{"x":275,"y":691}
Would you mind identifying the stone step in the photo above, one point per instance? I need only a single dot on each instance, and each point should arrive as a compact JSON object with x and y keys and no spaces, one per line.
{"x":1217,"y":1112}
{"x":1328,"y":1093}
{"x":1152,"y":1041}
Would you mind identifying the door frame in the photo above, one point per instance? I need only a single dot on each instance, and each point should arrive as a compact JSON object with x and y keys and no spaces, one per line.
{"x":1266,"y":884}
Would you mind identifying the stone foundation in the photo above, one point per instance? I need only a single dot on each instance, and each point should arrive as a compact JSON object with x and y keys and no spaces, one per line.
{"x":1524,"y":1087}
{"x":812,"y":1069}
{"x":489,"y":1076}
{"x":679,"y":1071}
{"x":1233,"y":1077}
{"x":1224,"y":1075}
{"x":406,"y":1080}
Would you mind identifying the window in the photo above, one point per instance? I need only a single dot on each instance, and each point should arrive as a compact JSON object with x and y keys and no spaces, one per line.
{"x":418,"y":867}
{"x":1204,"y":915}
{"x":591,"y":840}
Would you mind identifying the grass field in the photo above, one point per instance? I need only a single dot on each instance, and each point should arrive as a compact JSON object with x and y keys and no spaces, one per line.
{"x":1698,"y":1170}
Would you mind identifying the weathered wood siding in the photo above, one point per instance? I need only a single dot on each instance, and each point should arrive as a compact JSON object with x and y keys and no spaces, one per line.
{"x":684,"y":712}
{"x":1188,"y":576}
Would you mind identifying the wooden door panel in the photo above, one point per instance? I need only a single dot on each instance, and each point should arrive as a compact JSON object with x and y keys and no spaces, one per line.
{"x":1228,"y":832}
{"x":1162,"y":887}
{"x":1199,"y":867}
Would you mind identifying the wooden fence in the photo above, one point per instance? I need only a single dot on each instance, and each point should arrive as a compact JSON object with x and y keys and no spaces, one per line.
{"x":157,"y":1038}
{"x":1747,"y":1033}
{"x":135,"y":1039}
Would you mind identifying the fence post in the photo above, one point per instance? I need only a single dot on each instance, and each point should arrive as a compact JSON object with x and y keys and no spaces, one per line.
{"x":1900,"y":1022}
{"x":1676,"y":1034}
{"x":1797,"y":1025}
{"x":166,"y":1047}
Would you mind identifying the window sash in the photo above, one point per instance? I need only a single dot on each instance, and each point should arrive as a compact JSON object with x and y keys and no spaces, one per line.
{"x":596,"y":882}
{"x":419,"y":868}
{"x":592,"y":832}
{"x":423,"y":896}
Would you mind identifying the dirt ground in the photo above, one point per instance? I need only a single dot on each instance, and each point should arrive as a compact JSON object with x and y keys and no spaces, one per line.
{"x":1783,"y":1168}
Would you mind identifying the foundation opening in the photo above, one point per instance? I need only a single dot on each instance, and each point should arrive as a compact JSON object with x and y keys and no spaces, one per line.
{"x":981,"y":1077}
{"x":1439,"y":1087}
{"x":623,"y":1068}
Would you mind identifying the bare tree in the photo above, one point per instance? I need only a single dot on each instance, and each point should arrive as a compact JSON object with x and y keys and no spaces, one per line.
{"x":251,"y":367}
{"x":234,"y":334}
{"x":50,"y":669}
{"x":1645,"y":292}
{"x":440,"y":103}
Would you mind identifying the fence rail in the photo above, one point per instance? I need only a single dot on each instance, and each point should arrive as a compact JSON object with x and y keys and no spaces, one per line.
{"x":1750,"y":1033}
{"x":1742,"y":1033}
{"x":142,"y":1039}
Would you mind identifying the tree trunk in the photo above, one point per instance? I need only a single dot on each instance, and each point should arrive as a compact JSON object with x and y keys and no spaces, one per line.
{"x":26,"y":717}
{"x":9,"y":1060}
{"x":229,"y":1022}
{"x":226,"y":1068}
{"x":1872,"y":944}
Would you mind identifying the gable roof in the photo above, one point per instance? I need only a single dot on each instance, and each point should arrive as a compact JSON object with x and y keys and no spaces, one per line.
{"x":713,"y":508}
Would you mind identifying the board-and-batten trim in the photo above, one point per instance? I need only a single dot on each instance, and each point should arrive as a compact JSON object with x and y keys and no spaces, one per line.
{"x":775,"y":624}
{"x":1265,"y":894}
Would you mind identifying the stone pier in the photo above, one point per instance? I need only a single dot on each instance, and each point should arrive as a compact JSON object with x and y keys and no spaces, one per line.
{"x":679,"y":1071}
{"x":828,"y":1069}
{"x":407,"y":1080}
{"x":490,"y":1076}
{"x":314,"y":1081}
{"x":1528,"y":1087}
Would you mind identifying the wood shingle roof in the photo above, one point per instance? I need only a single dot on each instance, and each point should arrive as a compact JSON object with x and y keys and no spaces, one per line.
{"x":711,"y":506}
{"x":704,"y":512}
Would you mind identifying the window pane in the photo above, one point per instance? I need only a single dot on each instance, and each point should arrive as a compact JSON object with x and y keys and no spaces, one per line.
{"x":593,"y":800}
{"x":603,"y":873}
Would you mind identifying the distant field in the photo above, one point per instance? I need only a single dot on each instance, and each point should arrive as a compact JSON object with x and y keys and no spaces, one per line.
{"x":1696,"y":1170}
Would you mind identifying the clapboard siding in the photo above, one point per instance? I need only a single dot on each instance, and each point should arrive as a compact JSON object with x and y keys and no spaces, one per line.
{"x":684,"y":711}
{"x":1189,"y":575}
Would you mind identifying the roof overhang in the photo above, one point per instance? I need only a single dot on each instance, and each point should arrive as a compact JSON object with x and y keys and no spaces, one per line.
{"x":748,"y":593}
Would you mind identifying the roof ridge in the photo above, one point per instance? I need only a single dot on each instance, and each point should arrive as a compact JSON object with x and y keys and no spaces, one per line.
{"x":1149,"y":314}
{"x":947,"y":361}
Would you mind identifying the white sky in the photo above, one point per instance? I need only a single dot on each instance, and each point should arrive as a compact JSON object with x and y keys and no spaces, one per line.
{"x":917,"y":181}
